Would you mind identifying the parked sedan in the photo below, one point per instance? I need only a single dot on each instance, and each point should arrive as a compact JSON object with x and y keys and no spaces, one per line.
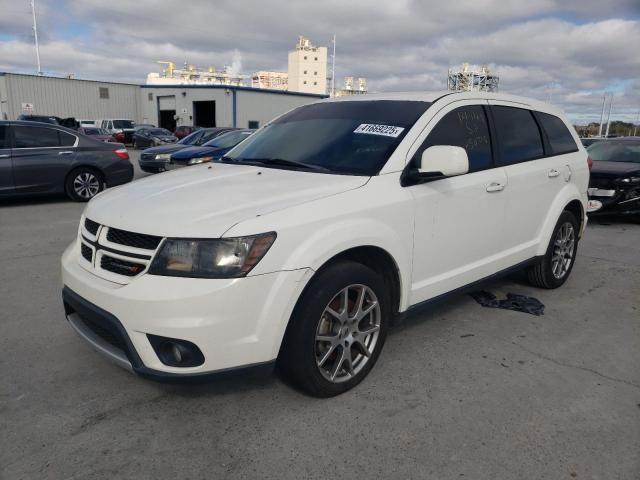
{"x":40,"y":158}
{"x":614,"y":187}
{"x":210,"y":151}
{"x":97,"y":133}
{"x":151,"y":137}
{"x":155,"y":159}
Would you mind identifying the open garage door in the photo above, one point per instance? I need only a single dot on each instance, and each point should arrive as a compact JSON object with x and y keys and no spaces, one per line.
{"x":204,"y":113}
{"x":167,"y":112}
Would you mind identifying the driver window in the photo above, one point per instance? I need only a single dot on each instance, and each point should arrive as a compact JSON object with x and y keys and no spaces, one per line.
{"x":464,"y":127}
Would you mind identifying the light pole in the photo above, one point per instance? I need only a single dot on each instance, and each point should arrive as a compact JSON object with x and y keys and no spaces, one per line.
{"x":35,"y":35}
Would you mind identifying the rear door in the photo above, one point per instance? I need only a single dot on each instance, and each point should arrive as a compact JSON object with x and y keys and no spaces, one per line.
{"x":41,"y":157}
{"x":534,"y":179}
{"x":6,"y":174}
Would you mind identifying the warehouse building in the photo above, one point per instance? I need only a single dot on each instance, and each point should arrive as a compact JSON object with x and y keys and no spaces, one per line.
{"x":165,"y":105}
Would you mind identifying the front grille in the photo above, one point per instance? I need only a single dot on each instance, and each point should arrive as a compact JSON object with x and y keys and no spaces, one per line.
{"x":91,"y":226}
{"x":132,"y":239}
{"x":148,"y":156}
{"x":86,"y":252}
{"x":121,"y":267}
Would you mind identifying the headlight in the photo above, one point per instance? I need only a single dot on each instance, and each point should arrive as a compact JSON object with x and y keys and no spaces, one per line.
{"x":215,"y":258}
{"x":163,"y":156}
{"x":194,"y":161}
{"x":630,"y":180}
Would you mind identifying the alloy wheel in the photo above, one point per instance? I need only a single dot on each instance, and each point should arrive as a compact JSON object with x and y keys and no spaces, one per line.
{"x":563,"y":250}
{"x":347,"y":333}
{"x":86,"y":185}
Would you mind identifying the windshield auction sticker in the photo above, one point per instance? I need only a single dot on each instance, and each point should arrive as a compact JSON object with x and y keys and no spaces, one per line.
{"x":384,"y":130}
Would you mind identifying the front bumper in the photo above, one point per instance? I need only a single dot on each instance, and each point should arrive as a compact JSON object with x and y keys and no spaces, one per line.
{"x":235,"y":323}
{"x":615,"y":199}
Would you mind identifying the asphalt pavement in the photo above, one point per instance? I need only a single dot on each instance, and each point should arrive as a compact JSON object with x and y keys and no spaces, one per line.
{"x":460,"y":391}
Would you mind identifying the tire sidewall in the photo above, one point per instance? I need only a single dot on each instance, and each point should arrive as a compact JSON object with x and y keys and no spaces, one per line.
{"x":306,"y":316}
{"x":70,"y":191}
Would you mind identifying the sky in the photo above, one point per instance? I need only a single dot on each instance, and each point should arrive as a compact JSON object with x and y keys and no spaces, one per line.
{"x":568,"y":52}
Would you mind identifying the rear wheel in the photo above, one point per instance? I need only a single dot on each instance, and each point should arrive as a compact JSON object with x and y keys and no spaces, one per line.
{"x":83,"y":184}
{"x":554,"y":268}
{"x":337,"y":330}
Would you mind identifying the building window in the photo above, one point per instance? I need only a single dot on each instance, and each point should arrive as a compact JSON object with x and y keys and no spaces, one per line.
{"x":315,"y":83}
{"x":305,"y":57}
{"x":305,"y":82}
{"x":316,"y":59}
{"x":315,"y":73}
{"x":150,"y":96}
{"x":305,"y":72}
{"x":253,"y":124}
{"x":104,"y":92}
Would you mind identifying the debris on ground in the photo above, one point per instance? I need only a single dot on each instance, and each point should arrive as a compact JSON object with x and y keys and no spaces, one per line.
{"x":514,"y":301}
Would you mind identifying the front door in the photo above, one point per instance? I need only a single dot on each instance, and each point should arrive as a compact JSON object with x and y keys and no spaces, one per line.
{"x":459,"y":221}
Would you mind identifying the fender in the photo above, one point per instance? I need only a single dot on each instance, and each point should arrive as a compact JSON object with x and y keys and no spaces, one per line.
{"x":568,"y":194}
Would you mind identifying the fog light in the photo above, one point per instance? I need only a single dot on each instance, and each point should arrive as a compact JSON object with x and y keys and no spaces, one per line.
{"x":174,"y":352}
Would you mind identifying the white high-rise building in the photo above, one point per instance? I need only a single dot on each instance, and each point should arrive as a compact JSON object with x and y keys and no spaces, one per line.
{"x":308,"y":68}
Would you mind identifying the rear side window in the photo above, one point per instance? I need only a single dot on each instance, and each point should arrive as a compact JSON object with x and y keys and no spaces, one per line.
{"x":560,"y":139}
{"x":66,"y":139}
{"x":518,"y":133}
{"x":34,"y":137}
{"x":464,"y":127}
{"x":3,"y":135}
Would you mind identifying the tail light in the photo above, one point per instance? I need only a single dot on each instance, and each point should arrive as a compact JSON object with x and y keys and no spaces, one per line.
{"x":122,"y":153}
{"x":119,"y":136}
{"x":590,"y":163}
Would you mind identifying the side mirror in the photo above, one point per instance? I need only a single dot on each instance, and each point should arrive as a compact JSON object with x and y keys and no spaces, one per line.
{"x":443,"y":161}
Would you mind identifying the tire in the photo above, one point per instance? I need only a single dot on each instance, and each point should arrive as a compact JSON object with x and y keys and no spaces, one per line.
{"x":547,"y":273}
{"x":323,"y":353}
{"x":83,"y":177}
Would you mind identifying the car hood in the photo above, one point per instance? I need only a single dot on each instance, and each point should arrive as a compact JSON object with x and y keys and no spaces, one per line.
{"x":206,"y":200}
{"x":165,"y":149}
{"x":193,"y":152}
{"x":613,"y":169}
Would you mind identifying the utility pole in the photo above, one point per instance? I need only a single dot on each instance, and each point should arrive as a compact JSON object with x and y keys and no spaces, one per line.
{"x":35,"y":35}
{"x":609,"y":116}
{"x":604,"y":101}
{"x":333,"y":68}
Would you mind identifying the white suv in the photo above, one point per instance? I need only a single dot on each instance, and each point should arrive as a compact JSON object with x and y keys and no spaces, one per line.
{"x":304,"y":243}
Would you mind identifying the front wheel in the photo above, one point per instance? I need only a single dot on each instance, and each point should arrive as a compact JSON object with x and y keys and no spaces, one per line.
{"x":552,"y":270}
{"x":337,"y":330}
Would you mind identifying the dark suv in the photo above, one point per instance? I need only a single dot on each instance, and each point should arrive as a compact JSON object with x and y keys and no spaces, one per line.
{"x":42,"y":158}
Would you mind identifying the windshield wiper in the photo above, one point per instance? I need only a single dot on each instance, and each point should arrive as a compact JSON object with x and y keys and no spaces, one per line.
{"x":284,"y":162}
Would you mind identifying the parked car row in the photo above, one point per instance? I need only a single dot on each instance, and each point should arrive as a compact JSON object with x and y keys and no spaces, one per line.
{"x":203,"y":145}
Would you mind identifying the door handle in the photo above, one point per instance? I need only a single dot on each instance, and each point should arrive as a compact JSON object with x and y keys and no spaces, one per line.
{"x":65,"y":153}
{"x":495,"y":187}
{"x":553,"y":173}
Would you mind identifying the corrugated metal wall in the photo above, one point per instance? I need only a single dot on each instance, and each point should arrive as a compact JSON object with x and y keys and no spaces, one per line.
{"x":70,"y":98}
{"x":81,"y":99}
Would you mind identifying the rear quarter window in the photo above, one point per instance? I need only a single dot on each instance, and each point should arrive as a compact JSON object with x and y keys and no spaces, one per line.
{"x":518,"y":134}
{"x":560,"y":139}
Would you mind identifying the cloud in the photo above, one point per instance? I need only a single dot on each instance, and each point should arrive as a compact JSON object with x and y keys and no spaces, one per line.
{"x":566,"y":51}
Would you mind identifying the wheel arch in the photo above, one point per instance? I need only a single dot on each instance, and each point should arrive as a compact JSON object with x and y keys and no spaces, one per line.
{"x":569,"y":199}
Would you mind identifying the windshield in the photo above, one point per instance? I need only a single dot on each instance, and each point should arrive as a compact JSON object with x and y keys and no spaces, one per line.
{"x":123,"y":124}
{"x":190,"y":139}
{"x":227,"y":140}
{"x":160,"y":131}
{"x":350,"y":137}
{"x":92,"y":131}
{"x":615,"y":151}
